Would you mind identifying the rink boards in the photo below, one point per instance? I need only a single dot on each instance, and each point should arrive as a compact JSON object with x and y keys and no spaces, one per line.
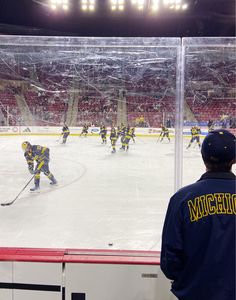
{"x":64,"y":274}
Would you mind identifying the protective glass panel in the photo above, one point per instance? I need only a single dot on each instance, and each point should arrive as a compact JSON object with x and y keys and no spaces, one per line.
{"x":209,"y":102}
{"x":111,"y":191}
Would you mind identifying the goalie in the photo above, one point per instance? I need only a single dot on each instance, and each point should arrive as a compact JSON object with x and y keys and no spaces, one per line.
{"x":40,"y":155}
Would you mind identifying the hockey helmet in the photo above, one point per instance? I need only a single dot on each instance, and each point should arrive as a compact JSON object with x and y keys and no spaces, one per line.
{"x":25,"y":145}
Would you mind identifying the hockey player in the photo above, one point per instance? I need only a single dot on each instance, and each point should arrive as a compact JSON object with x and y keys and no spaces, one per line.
{"x":84,"y":130}
{"x":211,"y":128}
{"x":113,"y":138}
{"x":195,"y":132}
{"x":123,"y":132}
{"x":126,"y":139}
{"x":118,"y":131}
{"x":65,"y":133}
{"x":133,"y":134}
{"x":40,"y":155}
{"x":164,"y":133}
{"x":103,"y":133}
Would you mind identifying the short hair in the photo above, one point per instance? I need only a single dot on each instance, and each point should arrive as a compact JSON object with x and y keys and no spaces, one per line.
{"x":219,"y":167}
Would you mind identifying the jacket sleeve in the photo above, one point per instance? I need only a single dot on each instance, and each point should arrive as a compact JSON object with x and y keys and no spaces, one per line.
{"x":172,"y":258}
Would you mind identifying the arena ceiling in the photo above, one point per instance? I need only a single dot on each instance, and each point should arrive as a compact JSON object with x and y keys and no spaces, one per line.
{"x":203,"y":18}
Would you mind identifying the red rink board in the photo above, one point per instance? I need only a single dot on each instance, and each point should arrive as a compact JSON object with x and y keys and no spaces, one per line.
{"x":80,"y":256}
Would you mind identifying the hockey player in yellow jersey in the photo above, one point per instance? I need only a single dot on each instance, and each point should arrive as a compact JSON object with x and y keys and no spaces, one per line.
{"x":195,"y":136}
{"x":40,"y":155}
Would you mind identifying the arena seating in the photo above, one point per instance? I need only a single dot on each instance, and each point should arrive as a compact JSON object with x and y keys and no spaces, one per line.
{"x":50,"y":109}
{"x":46,"y":108}
{"x":9,"y":108}
{"x":95,"y":110}
{"x":154,"y":111}
{"x":214,"y":109}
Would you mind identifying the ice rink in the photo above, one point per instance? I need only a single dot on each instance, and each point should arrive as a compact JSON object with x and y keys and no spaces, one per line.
{"x":101,"y":198}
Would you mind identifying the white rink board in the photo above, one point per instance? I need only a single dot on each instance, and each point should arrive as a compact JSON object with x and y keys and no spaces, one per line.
{"x":6,"y":276}
{"x":117,"y":282}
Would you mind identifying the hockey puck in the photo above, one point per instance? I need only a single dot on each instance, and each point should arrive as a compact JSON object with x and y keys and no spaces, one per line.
{"x":110,"y":244}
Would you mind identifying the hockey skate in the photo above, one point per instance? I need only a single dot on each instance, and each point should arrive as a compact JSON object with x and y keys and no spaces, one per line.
{"x":35,"y":188}
{"x":53,"y":182}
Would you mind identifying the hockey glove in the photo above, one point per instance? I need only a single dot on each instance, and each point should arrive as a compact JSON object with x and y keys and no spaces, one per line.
{"x":31,"y":170}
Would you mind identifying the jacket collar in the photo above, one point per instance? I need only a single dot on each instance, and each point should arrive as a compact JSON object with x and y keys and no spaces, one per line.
{"x":218,"y":175}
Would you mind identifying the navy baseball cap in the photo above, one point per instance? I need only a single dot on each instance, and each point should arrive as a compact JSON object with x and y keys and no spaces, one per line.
{"x":219,"y":146}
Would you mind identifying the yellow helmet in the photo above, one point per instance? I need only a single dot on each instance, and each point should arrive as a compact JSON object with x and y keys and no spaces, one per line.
{"x":25,"y":145}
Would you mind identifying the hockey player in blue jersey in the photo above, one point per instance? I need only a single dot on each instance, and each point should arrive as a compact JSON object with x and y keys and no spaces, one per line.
{"x":133,"y":133}
{"x":103,"y":134}
{"x":113,"y":138}
{"x":40,"y":155}
{"x":126,"y":139}
{"x":65,"y":133}
{"x":84,"y":131}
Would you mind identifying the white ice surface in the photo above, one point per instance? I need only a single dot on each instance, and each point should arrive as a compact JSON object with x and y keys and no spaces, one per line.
{"x":101,"y":197}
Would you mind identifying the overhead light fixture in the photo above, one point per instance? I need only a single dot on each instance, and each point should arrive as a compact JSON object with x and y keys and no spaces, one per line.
{"x":59,"y":5}
{"x":88,"y":5}
{"x":184,"y":6}
{"x":139,"y":4}
{"x":117,"y":5}
{"x":155,"y":5}
{"x":151,"y":6}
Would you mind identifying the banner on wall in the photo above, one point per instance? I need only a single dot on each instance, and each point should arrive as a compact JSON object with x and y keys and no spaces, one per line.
{"x":73,"y":130}
{"x":39,"y":130}
{"x":47,"y":130}
{"x":9,"y":130}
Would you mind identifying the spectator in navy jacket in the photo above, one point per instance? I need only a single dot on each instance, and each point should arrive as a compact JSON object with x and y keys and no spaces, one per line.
{"x":198,"y":239}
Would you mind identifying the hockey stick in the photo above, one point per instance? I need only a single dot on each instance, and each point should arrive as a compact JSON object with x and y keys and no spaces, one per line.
{"x":159,"y":137}
{"x":11,"y":202}
{"x":59,"y":138}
